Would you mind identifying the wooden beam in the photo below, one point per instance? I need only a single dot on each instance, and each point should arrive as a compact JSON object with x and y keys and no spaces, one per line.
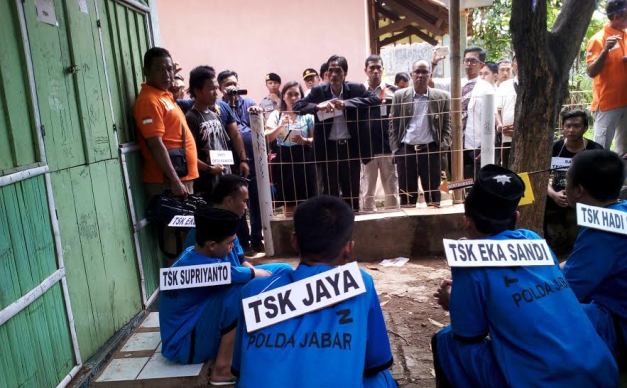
{"x":423,"y":35}
{"x":386,"y":13}
{"x":395,"y":38}
{"x":394,"y":27}
{"x":405,"y":9}
{"x":373,"y":24}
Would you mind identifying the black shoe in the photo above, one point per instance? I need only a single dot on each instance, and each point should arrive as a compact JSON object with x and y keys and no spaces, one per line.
{"x":258,"y":247}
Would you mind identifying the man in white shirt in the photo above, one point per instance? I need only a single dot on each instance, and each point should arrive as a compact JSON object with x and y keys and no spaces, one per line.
{"x":505,"y":109}
{"x":474,"y":90}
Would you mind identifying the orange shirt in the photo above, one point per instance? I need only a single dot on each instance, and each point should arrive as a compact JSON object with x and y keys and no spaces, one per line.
{"x":609,"y":87}
{"x":157,"y":114}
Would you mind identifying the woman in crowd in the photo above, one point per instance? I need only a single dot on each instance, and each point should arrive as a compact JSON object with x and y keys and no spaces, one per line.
{"x":293,"y":169}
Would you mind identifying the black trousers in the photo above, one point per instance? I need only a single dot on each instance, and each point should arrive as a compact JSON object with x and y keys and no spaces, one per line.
{"x":341,"y":171}
{"x":422,"y":161}
{"x":472,"y":163}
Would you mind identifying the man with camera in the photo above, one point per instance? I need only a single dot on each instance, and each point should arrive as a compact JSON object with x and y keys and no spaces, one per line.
{"x":241,"y":106}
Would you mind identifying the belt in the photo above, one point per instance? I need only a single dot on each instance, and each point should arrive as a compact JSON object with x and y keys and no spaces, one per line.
{"x":341,"y":141}
{"x":418,"y":147}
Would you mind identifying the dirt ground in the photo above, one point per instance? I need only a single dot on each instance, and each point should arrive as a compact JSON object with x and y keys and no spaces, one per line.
{"x":411,"y":314}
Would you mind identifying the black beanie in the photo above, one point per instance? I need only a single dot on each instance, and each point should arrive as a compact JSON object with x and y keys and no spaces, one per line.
{"x":213,"y":224}
{"x":495,"y":193}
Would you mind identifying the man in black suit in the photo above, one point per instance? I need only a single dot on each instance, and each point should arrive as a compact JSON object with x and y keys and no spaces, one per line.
{"x":346,"y":113}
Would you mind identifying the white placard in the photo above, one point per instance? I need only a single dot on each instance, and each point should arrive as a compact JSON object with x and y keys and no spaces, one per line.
{"x":609,"y":220}
{"x":497,"y":253}
{"x":561,"y":164}
{"x":193,"y":276}
{"x":182,"y":222}
{"x":303,"y":296}
{"x":292,"y":133}
{"x":221,"y":157}
{"x":328,"y":115}
{"x":82,"y":6}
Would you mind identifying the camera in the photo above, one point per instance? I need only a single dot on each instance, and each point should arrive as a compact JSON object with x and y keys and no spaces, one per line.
{"x":235,"y":91}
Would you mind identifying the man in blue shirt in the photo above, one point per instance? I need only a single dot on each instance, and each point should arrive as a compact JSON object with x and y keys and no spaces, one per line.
{"x":198,"y":324}
{"x":343,"y":345}
{"x":596,"y":270}
{"x":252,"y":240}
{"x":231,"y":193}
{"x":514,"y":326}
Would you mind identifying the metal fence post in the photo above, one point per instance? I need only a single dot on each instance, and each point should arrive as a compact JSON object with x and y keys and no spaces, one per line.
{"x":487,"y":130}
{"x":260,"y":155}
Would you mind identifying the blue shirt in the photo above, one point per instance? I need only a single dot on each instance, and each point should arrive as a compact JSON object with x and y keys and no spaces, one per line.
{"x":597,"y":268}
{"x":239,"y":273}
{"x":333,"y":347}
{"x":241,"y":113}
{"x":180,"y":310}
{"x":539,"y":333}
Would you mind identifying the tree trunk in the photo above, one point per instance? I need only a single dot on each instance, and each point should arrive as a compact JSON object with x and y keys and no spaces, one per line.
{"x":544,"y":61}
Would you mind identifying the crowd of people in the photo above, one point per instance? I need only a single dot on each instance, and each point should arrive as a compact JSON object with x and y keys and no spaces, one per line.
{"x":331,"y":140}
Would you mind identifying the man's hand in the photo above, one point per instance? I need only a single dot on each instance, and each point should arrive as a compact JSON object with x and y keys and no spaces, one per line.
{"x":178,"y":188}
{"x":216,"y":169}
{"x":261,"y":273}
{"x":326,"y":106}
{"x":559,"y":197}
{"x":338,"y":104}
{"x":244,"y":169}
{"x":611,"y":42}
{"x":435,"y":57}
{"x":508,"y":130}
{"x":443,"y":294}
{"x":255,"y":109}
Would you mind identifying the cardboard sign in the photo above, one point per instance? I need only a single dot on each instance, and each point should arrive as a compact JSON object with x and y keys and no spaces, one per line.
{"x":527,"y":198}
{"x":205,"y":275}
{"x":182,"y":222}
{"x":221,"y":157}
{"x":560,"y":164}
{"x":459,"y":184}
{"x":497,"y":253}
{"x":303,"y":296}
{"x":609,"y":220}
{"x":329,"y":115}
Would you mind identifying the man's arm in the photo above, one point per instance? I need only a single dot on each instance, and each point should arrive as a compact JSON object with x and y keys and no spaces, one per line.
{"x":308,"y":104}
{"x":584,"y":269}
{"x":394,"y":122}
{"x":596,"y":66}
{"x":446,"y":123}
{"x":160,"y":154}
{"x":236,"y":139}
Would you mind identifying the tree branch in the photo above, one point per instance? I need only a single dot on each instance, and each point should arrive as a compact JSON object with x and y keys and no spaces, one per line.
{"x":571,"y":25}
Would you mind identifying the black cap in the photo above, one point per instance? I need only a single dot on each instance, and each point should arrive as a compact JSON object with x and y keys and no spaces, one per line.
{"x":213,"y":224}
{"x":273,"y":77}
{"x":495,"y":193}
{"x":309,"y":72}
{"x":615,"y":6}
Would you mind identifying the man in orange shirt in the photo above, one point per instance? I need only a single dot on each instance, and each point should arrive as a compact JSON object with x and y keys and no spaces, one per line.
{"x":606,"y":56}
{"x":162,"y":129}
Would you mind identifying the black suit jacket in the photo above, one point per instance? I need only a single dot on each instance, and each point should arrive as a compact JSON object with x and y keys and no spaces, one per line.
{"x":362,"y":116}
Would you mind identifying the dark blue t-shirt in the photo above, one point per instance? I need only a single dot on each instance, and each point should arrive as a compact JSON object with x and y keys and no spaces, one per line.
{"x":539,"y":333}
{"x":597,"y":268}
{"x":224,"y":110}
{"x":332,"y":347}
{"x":241,"y":112}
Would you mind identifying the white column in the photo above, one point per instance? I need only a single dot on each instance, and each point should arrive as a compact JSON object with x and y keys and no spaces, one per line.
{"x":487,"y":130}
{"x":260,"y":156}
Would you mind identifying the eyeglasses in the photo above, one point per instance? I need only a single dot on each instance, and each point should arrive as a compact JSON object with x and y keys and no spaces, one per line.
{"x":471,"y":61}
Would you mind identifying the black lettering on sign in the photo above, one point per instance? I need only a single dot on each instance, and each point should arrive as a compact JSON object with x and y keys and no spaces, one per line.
{"x":335,"y":283}
{"x":344,"y":316}
{"x":321,"y":291}
{"x":349,"y":282}
{"x":273,"y":310}
{"x":255,"y":306}
{"x":284,"y":301}
{"x":539,"y":291}
{"x":310,"y":298}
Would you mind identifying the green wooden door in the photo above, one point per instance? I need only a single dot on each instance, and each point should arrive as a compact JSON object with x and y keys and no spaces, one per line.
{"x":36,"y":347}
{"x":87,"y":179}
